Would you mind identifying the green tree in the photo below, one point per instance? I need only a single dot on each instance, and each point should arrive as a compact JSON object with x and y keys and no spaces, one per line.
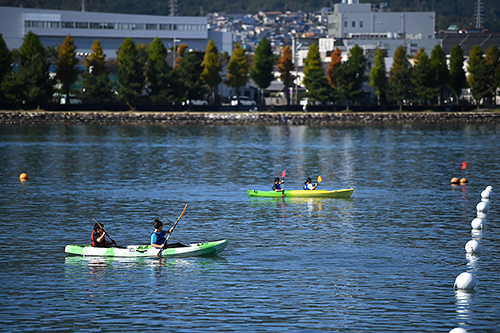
{"x":158,"y":71}
{"x":286,"y":68}
{"x":5,"y":61}
{"x":479,"y":75}
{"x":263,"y":64}
{"x":399,"y":82}
{"x":237,"y":69}
{"x":378,"y":75}
{"x":458,"y":80}
{"x":130,"y":72}
{"x":424,"y":86}
{"x":211,"y":69}
{"x":97,"y":84}
{"x":492,"y":58}
{"x":351,"y":76}
{"x":189,"y":73}
{"x":66,"y":71}
{"x":31,"y":81}
{"x":315,"y":80}
{"x":475,"y":57}
{"x":440,"y":68}
{"x":95,"y":63}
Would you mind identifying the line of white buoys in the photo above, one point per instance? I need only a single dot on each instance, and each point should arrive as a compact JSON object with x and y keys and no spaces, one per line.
{"x":473,"y":247}
{"x":482,"y":207}
{"x":477,"y":223}
{"x":465,"y":281}
{"x":485,"y":194}
{"x":458,"y":330}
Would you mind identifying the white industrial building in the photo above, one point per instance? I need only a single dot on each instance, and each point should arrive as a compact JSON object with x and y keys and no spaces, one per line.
{"x":354,"y":23}
{"x":52,"y":26}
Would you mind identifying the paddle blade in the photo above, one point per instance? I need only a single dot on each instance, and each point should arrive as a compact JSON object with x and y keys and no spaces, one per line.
{"x":320,"y":179}
{"x":283,"y":174}
{"x":464,"y":165}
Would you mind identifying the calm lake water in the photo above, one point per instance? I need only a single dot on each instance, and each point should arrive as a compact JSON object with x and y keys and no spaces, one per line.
{"x":383,"y":261}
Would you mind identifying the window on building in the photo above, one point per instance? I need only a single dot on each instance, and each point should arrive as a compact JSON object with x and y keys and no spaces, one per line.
{"x":150,"y":26}
{"x":361,"y":24}
{"x":354,"y":24}
{"x":166,"y":27}
{"x":82,"y":25}
{"x":68,"y":25}
{"x":345,"y":24}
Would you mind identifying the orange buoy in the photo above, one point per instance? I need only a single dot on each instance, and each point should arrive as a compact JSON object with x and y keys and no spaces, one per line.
{"x":463,"y":180}
{"x":454,"y":180}
{"x":23,"y":177}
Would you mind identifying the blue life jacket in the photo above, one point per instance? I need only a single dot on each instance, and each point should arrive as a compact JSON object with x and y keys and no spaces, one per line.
{"x":276,"y":187}
{"x":158,"y":237}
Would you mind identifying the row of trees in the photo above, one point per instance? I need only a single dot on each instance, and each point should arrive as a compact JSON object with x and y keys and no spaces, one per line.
{"x":427,"y":81}
{"x":143,"y":72}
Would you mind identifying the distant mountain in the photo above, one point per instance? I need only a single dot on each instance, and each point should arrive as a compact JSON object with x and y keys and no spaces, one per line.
{"x":448,"y":12}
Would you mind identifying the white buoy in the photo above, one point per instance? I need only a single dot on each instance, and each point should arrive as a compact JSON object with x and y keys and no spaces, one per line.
{"x":477,"y":223}
{"x":473,"y":247}
{"x":485,"y":194}
{"x":489,"y":188}
{"x":482,"y":207}
{"x":481,"y":215}
{"x":458,"y":330}
{"x":465,"y":280}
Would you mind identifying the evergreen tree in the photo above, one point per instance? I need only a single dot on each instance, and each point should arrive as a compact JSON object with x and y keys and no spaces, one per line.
{"x":237,"y":69}
{"x":263,"y":64}
{"x":211,"y":69}
{"x":97,"y":84}
{"x":399,"y":83}
{"x":285,"y":68}
{"x":158,"y":71}
{"x":475,"y":56}
{"x":378,"y":75}
{"x":315,"y":80}
{"x":5,"y":61}
{"x":31,"y":81}
{"x":130,"y":72}
{"x":351,"y":76}
{"x":480,"y":85}
{"x":479,"y":75}
{"x":458,"y":80}
{"x":440,"y":68}
{"x":424,"y":86}
{"x":189,"y":73}
{"x":66,"y":71}
{"x":95,"y":63}
{"x":492,"y":58}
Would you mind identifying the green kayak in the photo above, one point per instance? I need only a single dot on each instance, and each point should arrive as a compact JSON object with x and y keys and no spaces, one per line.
{"x":345,"y":193}
{"x":201,"y":249}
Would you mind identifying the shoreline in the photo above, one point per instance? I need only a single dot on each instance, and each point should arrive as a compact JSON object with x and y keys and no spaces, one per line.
{"x":241,"y":118}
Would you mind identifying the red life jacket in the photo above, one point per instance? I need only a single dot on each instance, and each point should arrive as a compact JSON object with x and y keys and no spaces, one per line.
{"x":95,"y":243}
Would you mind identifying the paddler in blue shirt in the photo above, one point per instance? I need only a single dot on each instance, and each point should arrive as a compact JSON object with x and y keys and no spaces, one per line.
{"x":158,"y":236}
{"x":277,"y":184}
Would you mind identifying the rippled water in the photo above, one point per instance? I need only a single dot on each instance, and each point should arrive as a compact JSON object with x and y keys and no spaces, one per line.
{"x":383,"y":261}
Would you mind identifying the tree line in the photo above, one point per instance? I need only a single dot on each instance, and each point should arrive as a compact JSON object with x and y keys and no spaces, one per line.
{"x":144,"y":74}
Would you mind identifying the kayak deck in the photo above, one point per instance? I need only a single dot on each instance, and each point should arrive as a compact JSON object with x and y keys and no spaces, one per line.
{"x":344,"y":193}
{"x":199,"y":249}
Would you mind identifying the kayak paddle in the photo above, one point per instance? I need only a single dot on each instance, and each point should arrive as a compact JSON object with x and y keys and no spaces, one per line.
{"x":100,"y":226}
{"x":283,"y":174}
{"x":165,"y":242}
{"x":319,"y":180}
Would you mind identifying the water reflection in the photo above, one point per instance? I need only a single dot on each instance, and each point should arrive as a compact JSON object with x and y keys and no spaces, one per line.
{"x":463,"y":301}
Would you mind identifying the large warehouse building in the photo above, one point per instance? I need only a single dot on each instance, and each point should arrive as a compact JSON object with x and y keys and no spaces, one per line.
{"x":52,"y":26}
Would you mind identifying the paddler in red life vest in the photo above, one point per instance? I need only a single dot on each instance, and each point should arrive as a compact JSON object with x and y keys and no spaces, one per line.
{"x":98,"y":237}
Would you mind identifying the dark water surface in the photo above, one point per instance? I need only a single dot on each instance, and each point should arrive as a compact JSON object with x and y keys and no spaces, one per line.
{"x":383,"y":261}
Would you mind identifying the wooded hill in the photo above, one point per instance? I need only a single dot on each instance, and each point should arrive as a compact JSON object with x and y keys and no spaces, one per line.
{"x":449,"y":12}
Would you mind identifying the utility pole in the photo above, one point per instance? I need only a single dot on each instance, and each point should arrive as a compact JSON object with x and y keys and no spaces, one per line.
{"x":173,"y":7}
{"x":479,"y":15}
